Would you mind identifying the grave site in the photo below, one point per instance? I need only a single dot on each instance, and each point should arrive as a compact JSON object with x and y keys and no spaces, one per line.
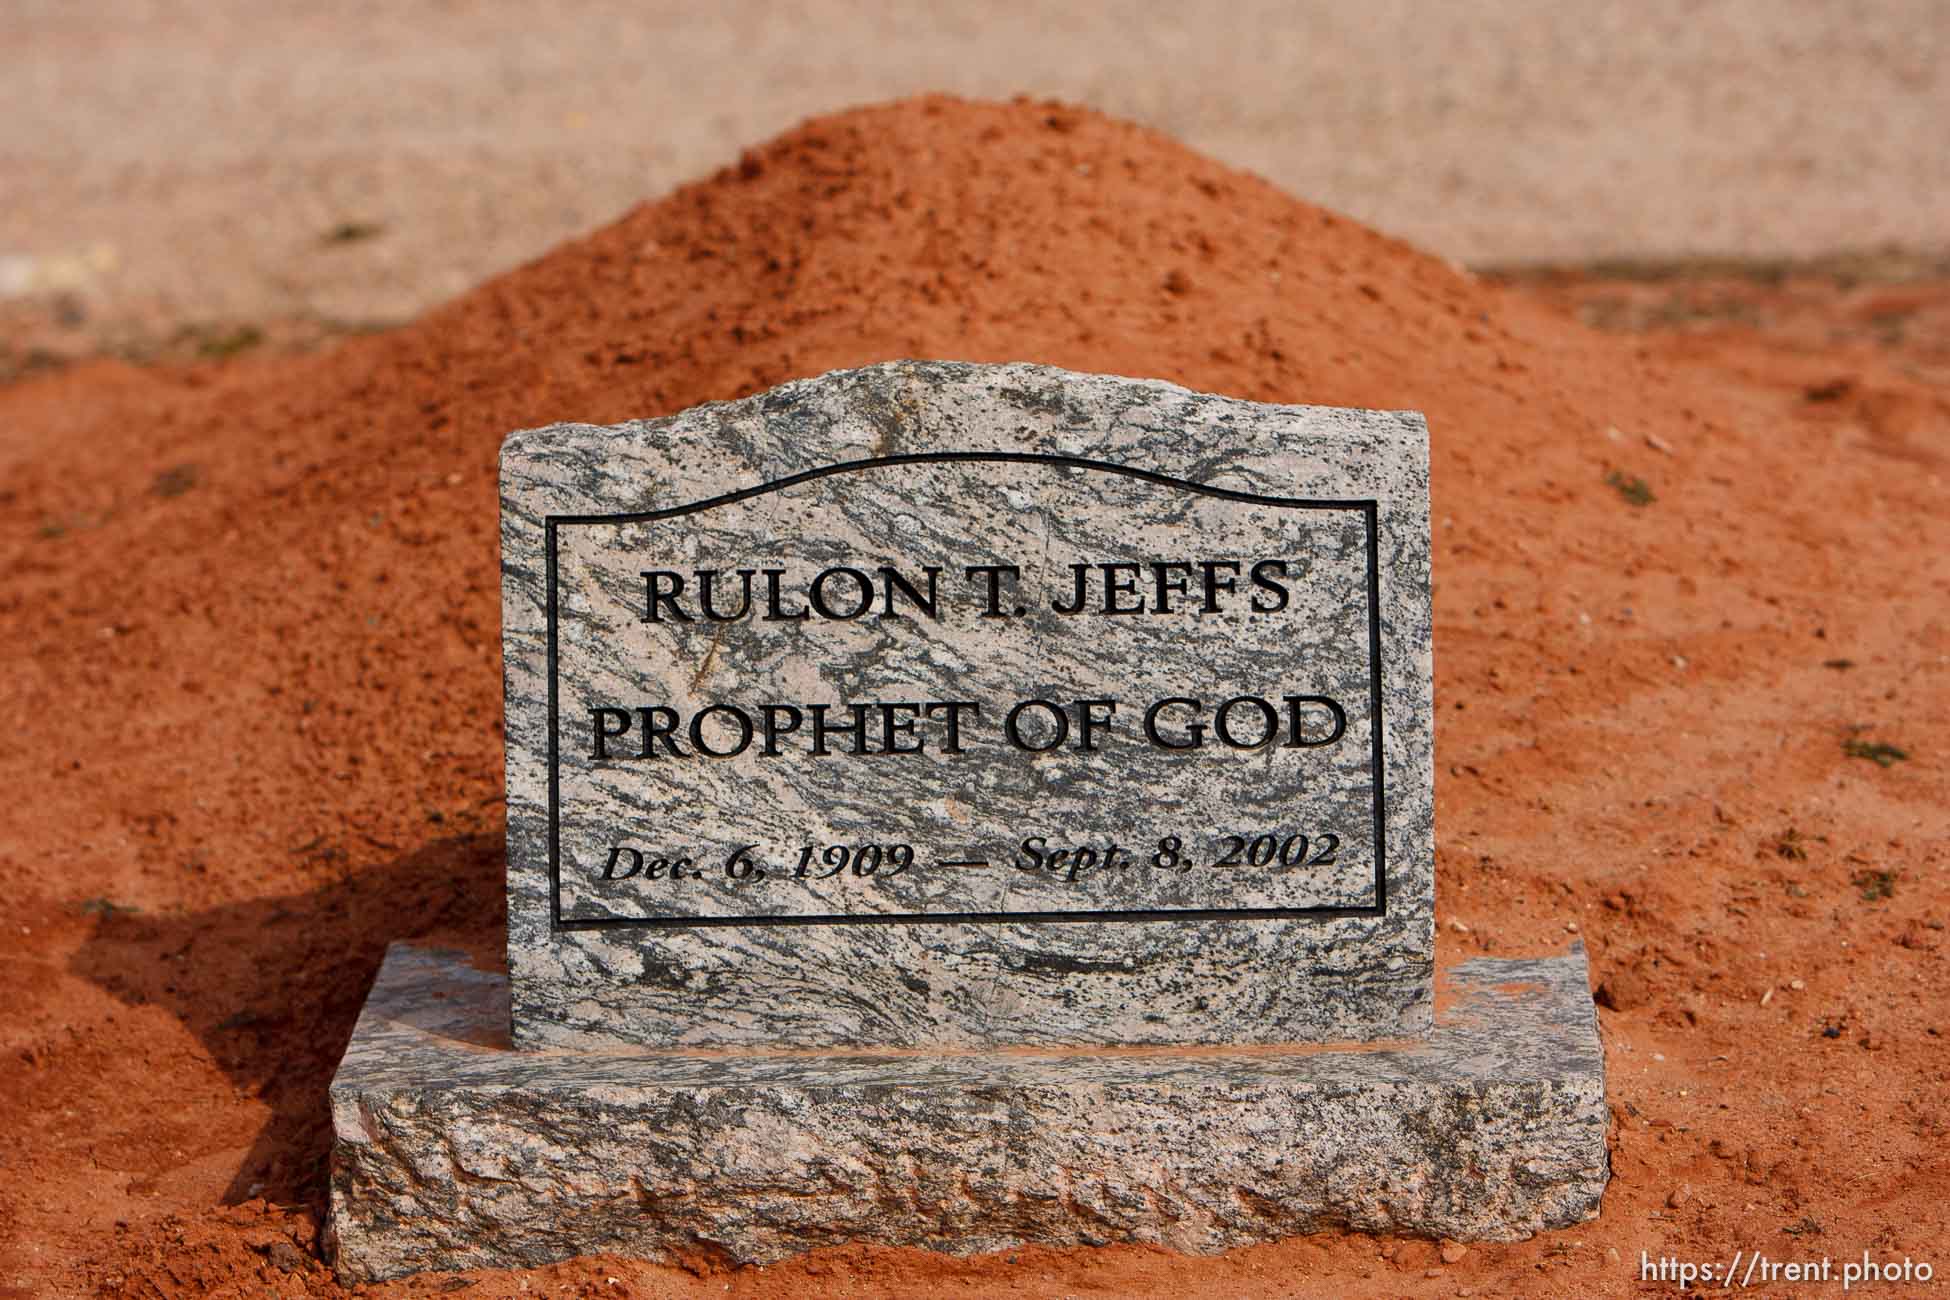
{"x":1220,"y":754}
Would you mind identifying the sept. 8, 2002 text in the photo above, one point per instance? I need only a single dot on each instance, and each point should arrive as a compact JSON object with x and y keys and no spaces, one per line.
{"x":1035,"y":855}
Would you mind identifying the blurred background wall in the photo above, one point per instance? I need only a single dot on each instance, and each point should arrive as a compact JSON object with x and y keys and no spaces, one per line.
{"x":359,"y":161}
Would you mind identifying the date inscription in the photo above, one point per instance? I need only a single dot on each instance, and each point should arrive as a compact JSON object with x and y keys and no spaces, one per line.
{"x":1035,"y":855}
{"x":1073,"y":862}
{"x":746,"y":863}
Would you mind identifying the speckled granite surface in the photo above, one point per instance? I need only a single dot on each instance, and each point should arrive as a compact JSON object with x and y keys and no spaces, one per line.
{"x":455,"y":1151}
{"x":1228,"y":551}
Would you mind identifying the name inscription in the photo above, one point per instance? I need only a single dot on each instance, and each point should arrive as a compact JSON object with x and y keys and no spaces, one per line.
{"x":844,"y":593}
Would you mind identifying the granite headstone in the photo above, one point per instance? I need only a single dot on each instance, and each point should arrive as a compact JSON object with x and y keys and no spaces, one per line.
{"x":953,"y":706}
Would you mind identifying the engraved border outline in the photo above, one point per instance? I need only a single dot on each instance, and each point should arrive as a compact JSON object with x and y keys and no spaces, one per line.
{"x":1370,"y":511}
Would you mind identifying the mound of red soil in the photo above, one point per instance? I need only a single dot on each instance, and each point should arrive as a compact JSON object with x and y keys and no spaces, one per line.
{"x":1692,"y":665}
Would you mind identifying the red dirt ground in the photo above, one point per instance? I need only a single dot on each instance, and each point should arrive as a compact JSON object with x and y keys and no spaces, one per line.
{"x":252,"y":683}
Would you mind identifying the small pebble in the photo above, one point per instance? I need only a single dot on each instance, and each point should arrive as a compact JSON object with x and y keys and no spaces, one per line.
{"x":1453,"y":1252}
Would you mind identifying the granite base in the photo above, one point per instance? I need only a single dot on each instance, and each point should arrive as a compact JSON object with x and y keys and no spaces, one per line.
{"x":453,"y":1151}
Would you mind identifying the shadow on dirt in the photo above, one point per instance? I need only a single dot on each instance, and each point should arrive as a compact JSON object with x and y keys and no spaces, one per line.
{"x":273,"y":986}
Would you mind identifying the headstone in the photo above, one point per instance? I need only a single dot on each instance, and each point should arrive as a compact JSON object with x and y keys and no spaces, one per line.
{"x":1006,"y":716}
{"x":954,"y":706}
